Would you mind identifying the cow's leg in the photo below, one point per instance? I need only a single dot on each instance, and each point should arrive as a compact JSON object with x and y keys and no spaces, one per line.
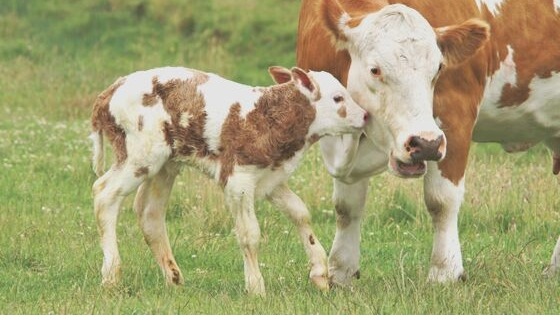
{"x":349,"y":201}
{"x":443,"y":199}
{"x":108,"y":193}
{"x":240,"y":202}
{"x":554,"y":265}
{"x":149,"y":205}
{"x":297,"y":212}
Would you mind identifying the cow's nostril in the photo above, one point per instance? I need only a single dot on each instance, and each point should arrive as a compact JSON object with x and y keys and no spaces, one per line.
{"x":366,"y":116}
{"x":414,"y":142}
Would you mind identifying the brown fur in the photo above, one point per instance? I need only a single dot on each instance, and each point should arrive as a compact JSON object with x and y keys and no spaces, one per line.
{"x":270,"y":134}
{"x":181,"y":97}
{"x":140,"y":123}
{"x":102,"y":121}
{"x":144,"y":170}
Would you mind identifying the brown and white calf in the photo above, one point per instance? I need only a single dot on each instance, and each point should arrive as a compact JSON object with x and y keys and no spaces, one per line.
{"x":432,"y":77}
{"x":249,"y":139}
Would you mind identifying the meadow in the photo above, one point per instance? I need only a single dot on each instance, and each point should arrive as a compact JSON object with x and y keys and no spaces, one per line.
{"x":56,"y":56}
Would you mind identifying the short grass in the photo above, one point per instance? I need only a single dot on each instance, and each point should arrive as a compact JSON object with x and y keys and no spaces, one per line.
{"x":55,"y":56}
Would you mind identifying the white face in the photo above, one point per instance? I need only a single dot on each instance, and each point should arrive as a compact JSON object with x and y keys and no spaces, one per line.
{"x":337,"y":113}
{"x":395,"y":63}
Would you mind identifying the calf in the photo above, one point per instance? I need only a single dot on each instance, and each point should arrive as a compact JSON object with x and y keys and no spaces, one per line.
{"x":249,"y":139}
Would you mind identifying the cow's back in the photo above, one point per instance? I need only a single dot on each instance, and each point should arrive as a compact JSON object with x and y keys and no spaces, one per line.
{"x":514,"y":78}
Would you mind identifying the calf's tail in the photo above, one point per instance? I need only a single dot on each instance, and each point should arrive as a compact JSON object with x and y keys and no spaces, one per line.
{"x":98,"y":158}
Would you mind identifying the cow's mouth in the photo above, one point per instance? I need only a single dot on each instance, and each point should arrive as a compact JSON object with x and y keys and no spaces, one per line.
{"x":413,"y":169}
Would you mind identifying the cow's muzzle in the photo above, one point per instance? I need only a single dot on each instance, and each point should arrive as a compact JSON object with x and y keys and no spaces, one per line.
{"x":418,"y":150}
{"x":423,"y":149}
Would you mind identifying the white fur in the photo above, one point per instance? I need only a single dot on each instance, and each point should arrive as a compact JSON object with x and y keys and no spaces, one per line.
{"x":443,"y":199}
{"x":492,"y":5}
{"x":400,"y":42}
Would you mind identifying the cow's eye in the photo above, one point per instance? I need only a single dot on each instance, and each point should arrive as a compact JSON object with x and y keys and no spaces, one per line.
{"x":440,"y":67}
{"x":375,"y":71}
{"x":338,"y":98}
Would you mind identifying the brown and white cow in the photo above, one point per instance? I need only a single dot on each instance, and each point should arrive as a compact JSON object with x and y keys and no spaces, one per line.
{"x":420,"y":67}
{"x":248,"y":139}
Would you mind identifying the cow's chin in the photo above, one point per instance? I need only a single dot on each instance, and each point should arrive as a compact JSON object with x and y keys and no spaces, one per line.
{"x":407,"y":170}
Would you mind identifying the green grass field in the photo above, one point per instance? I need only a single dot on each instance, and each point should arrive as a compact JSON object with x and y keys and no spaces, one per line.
{"x":56,"y":56}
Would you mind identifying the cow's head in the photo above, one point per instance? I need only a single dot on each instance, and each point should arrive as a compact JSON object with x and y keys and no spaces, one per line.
{"x":396,"y":57}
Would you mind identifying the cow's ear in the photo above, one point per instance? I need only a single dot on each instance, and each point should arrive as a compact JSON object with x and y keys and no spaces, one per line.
{"x":280,"y":74}
{"x":305,"y":83}
{"x":338,"y":21}
{"x":460,"y":42}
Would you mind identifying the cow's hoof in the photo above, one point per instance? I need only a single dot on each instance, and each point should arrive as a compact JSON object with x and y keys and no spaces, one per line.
{"x":443,"y":275}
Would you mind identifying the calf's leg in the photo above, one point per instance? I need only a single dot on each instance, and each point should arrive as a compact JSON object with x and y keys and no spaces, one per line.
{"x":297,"y":212}
{"x":108,"y":193}
{"x":149,"y":205}
{"x":240,"y":202}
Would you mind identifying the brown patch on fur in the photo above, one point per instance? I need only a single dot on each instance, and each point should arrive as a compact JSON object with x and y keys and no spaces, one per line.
{"x":102,"y":120}
{"x":556,"y":163}
{"x":176,"y":278}
{"x":313,"y":138}
{"x":151,"y":99}
{"x":311,"y":239}
{"x":140,"y":123}
{"x":180,"y":97}
{"x":270,"y":134}
{"x":342,"y":111}
{"x":342,"y":215}
{"x":531,"y":29}
{"x":141,"y":171}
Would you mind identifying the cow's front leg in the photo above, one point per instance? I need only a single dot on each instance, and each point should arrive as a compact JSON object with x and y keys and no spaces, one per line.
{"x":344,"y":258}
{"x":443,"y":198}
{"x":297,"y":212}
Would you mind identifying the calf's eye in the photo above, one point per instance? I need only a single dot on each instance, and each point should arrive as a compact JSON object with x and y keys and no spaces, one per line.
{"x":338,"y":98}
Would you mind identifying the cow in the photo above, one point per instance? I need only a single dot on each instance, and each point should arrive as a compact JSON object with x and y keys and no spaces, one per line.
{"x":248,"y":139}
{"x":433,"y":75}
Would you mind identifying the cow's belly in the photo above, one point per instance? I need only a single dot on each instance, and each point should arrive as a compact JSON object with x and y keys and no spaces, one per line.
{"x":520,"y":126}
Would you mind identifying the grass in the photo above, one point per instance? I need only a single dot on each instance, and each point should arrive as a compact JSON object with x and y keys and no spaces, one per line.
{"x":54,"y":59}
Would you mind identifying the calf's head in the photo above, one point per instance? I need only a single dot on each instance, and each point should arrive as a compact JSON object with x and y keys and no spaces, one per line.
{"x":336,"y":111}
{"x":396,"y":57}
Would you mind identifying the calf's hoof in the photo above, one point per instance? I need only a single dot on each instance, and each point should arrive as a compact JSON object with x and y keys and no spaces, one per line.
{"x":321,"y":282}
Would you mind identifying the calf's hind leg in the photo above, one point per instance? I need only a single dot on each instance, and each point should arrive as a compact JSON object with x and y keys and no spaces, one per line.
{"x":297,"y":212}
{"x":108,"y":193}
{"x":149,"y":205}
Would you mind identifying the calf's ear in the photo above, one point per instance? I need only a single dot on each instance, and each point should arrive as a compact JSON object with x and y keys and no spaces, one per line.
{"x":306,"y":83}
{"x":280,"y":74}
{"x":460,"y":42}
